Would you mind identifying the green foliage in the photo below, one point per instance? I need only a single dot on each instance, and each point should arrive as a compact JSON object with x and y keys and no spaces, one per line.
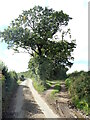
{"x":68,"y":82}
{"x":9,"y":84}
{"x":19,"y":82}
{"x":78,"y":85}
{"x":54,"y":92}
{"x":34,"y":28}
{"x":26,"y":74}
{"x":38,"y":85}
{"x":57,"y":86}
{"x":22,"y":78}
{"x":34,"y":31}
{"x":2,"y":79}
{"x":48,"y":85}
{"x":44,"y":69}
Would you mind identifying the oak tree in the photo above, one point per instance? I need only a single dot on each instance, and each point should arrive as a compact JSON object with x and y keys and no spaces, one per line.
{"x":34,"y":30}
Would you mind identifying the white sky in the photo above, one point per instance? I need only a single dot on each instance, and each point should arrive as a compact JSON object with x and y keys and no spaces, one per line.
{"x":77,"y":9}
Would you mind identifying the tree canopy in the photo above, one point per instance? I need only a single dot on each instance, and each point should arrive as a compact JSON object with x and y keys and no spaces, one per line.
{"x":34,"y":30}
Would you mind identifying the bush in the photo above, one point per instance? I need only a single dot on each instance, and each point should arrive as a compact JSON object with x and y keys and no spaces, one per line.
{"x":45,"y":69}
{"x":68,"y":82}
{"x":78,"y":85}
{"x":9,"y":84}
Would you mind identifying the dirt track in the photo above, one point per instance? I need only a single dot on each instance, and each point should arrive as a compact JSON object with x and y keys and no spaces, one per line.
{"x":23,"y":104}
{"x":27,"y":104}
{"x":61,"y":104}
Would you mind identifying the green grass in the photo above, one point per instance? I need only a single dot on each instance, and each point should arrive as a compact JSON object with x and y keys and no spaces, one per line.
{"x":38,"y":86}
{"x":53,"y":93}
{"x":53,"y":81}
{"x":57,"y":86}
{"x":56,"y":89}
{"x":48,"y":85}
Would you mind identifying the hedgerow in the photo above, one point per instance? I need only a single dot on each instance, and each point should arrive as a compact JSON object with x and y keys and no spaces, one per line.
{"x":9,"y":85}
{"x":78,"y":85}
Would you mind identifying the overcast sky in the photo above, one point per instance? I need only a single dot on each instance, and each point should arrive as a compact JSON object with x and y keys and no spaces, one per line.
{"x":77,"y":9}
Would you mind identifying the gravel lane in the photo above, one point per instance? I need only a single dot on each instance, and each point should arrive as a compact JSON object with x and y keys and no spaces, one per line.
{"x":27,"y":103}
{"x":23,"y":104}
{"x":43,"y":105}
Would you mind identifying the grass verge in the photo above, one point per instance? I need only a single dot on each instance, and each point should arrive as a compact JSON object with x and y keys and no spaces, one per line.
{"x":39,"y":86}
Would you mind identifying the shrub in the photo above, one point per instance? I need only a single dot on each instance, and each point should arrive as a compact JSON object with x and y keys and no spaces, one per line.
{"x":9,"y":84}
{"x":78,"y":85}
{"x":68,"y":82}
